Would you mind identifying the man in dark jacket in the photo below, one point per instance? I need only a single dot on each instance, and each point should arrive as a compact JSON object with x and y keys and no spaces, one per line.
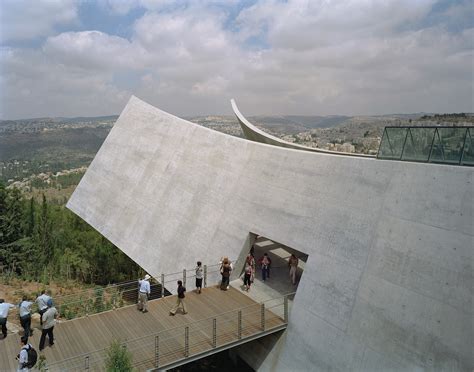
{"x":180,"y":299}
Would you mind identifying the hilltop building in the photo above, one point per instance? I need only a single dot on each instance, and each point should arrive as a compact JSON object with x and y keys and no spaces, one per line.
{"x":387,"y":283}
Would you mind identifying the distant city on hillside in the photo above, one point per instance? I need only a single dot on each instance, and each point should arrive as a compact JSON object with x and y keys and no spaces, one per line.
{"x":50,"y":155}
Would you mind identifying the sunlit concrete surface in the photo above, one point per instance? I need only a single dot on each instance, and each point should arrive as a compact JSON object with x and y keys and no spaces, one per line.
{"x":252,"y":133}
{"x":388,"y":281}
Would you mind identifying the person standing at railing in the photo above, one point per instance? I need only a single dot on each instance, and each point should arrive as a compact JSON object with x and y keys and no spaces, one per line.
{"x":293,"y":265}
{"x":42,"y":301}
{"x":199,"y":276}
{"x":4,"y":309}
{"x":143,"y":293}
{"x":49,"y":321}
{"x":180,"y":299}
{"x":25,"y":316}
{"x":225,"y":270}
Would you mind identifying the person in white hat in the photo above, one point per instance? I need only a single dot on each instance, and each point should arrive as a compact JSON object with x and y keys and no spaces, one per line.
{"x":143,"y":293}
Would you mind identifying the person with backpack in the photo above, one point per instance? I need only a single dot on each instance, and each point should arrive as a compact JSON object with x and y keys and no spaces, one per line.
{"x":180,"y":299}
{"x":49,"y":320}
{"x":226,"y":269}
{"x":27,"y":357}
{"x":25,"y":316}
{"x":4,"y":309}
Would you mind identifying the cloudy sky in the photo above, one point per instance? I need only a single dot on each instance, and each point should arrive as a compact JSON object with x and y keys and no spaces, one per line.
{"x":313,"y":57}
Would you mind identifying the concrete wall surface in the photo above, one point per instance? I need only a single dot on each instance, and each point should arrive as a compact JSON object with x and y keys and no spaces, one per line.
{"x":388,"y":284}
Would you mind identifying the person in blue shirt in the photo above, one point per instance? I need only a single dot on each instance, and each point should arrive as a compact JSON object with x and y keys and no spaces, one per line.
{"x":25,"y":316}
{"x":42,"y":302}
{"x":4,"y":309}
{"x":143,"y":293}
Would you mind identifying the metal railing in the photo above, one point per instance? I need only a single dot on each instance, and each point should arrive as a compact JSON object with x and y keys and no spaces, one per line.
{"x":171,"y":347}
{"x":99,"y":299}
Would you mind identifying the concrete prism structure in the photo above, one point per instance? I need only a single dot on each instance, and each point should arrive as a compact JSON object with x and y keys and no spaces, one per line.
{"x":388,"y":284}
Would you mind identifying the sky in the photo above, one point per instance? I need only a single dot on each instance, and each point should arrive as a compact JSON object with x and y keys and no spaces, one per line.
{"x":314,"y":57}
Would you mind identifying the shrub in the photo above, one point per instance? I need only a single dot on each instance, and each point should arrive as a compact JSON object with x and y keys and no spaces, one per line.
{"x":118,"y":359}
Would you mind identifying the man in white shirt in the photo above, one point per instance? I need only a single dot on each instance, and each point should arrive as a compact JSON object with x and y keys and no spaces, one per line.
{"x":25,"y":316}
{"x":42,"y":302}
{"x":4,"y":308}
{"x":143,"y":293}
{"x":23,"y":356}
{"x":49,"y":320}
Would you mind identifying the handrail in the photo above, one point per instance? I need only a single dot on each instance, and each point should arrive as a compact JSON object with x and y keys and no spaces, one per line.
{"x":99,"y":355}
{"x":87,"y":297}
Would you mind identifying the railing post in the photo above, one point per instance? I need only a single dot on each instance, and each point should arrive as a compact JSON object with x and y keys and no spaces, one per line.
{"x":214,"y":333}
{"x":86,"y":363}
{"x":285,"y":309}
{"x":262,"y":316}
{"x":157,"y":351}
{"x":162,"y":285}
{"x":186,"y":342}
{"x":184,"y":277}
{"x":239,"y":324}
{"x":205,"y":276}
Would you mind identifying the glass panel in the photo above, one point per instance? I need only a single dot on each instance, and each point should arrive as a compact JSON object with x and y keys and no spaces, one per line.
{"x":392,"y":143}
{"x":448,"y":145}
{"x":418,"y":144}
{"x":468,"y":156}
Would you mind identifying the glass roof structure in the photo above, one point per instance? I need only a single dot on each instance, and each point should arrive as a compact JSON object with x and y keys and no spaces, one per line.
{"x":444,"y":145}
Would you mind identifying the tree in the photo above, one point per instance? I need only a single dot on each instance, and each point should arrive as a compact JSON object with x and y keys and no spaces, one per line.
{"x":13,"y":217}
{"x":31,"y":218}
{"x":43,"y":233}
{"x":119,"y":359}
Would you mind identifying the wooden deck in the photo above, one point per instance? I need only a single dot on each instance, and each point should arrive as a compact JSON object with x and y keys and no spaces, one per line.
{"x":77,"y":341}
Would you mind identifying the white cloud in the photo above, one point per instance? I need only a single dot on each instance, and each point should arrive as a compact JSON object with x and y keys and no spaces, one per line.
{"x":298,"y":57}
{"x":94,"y":50}
{"x":24,"y":20}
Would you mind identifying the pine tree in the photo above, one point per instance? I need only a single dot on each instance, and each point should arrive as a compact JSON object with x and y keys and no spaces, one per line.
{"x":43,"y":234}
{"x":31,"y":218}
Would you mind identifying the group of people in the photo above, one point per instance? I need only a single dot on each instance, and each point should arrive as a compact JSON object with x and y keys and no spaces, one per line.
{"x":250,"y":266}
{"x":226,"y":268}
{"x":145,"y":290}
{"x":48,"y":315}
{"x":265,"y":263}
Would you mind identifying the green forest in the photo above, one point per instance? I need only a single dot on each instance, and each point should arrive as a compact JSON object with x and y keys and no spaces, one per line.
{"x":41,"y":241}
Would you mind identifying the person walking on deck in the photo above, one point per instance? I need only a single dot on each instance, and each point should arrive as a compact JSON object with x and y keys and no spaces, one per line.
{"x":247,"y":276}
{"x":293,"y":265}
{"x":199,"y":276}
{"x":25,"y":316}
{"x":42,"y":301}
{"x":180,"y":299}
{"x":49,"y":321}
{"x":143,"y":293}
{"x":24,"y":362}
{"x":4,"y":309}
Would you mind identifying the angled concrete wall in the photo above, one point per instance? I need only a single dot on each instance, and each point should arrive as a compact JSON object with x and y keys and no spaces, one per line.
{"x":252,"y":133}
{"x":388,"y":281}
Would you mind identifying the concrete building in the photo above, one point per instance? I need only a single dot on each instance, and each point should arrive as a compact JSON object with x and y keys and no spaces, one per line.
{"x":388,"y":280}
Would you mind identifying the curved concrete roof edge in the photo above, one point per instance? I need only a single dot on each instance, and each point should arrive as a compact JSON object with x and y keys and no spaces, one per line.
{"x":259,"y":135}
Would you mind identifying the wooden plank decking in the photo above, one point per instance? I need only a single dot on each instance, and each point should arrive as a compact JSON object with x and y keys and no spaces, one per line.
{"x":78,"y":338}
